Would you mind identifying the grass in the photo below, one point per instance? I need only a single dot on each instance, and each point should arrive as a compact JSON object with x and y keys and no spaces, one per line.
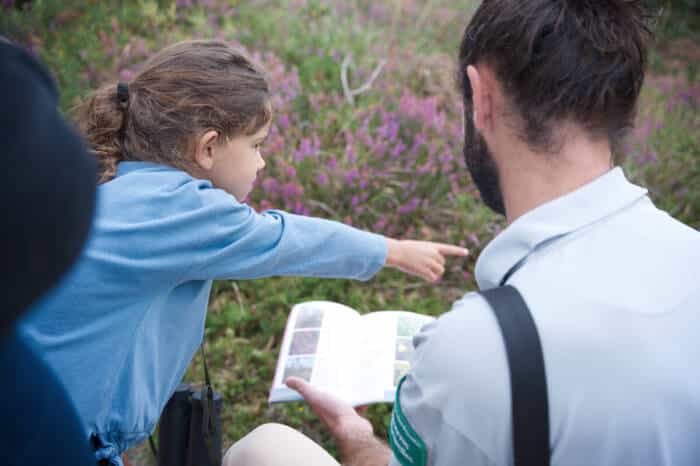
{"x":303,"y":44}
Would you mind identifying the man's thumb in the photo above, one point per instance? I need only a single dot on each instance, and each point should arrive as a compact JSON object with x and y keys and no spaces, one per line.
{"x":307,"y":391}
{"x":300,"y":385}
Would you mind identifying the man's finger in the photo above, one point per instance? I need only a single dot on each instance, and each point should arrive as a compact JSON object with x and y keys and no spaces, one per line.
{"x":450,"y":250}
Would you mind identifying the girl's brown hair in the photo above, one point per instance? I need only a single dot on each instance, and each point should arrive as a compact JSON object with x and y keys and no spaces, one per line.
{"x":184,"y":90}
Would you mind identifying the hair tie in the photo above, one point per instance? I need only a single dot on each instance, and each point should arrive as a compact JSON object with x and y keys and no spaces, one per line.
{"x":123,"y":94}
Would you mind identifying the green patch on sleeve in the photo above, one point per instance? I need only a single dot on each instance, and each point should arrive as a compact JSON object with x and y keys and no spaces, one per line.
{"x":406,"y":444}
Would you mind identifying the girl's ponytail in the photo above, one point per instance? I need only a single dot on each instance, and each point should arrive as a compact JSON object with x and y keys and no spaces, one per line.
{"x":101,"y":120}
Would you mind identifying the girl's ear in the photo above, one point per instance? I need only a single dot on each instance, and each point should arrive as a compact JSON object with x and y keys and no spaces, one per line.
{"x":204,"y":150}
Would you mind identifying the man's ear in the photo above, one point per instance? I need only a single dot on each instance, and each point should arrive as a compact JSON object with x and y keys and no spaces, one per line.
{"x":481,"y":98}
{"x":204,"y":150}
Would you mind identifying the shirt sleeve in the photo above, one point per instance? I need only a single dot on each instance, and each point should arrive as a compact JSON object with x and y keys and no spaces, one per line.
{"x":456,"y":397}
{"x":240,"y":243}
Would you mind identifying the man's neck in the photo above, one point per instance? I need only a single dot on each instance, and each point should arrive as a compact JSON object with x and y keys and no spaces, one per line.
{"x":531,"y":179}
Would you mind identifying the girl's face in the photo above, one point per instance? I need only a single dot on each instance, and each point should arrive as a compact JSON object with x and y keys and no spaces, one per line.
{"x":233,"y":166}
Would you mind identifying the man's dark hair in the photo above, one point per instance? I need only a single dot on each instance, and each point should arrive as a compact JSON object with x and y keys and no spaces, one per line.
{"x":561,"y":60}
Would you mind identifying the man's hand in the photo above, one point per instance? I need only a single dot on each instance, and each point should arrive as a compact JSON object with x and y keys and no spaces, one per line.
{"x":422,"y":258}
{"x":353,"y":433}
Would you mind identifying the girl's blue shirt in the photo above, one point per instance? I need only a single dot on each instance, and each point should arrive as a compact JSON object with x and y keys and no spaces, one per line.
{"x":122,"y":328}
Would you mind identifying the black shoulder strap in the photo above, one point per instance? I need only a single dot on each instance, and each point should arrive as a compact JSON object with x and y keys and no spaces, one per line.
{"x":528,"y":381}
{"x":209,"y":424}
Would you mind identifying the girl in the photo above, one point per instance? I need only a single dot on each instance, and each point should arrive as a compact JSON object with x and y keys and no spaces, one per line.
{"x":178,"y":151}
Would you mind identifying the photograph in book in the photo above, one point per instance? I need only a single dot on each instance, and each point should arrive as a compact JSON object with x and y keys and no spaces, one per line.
{"x":304,"y":342}
{"x":301,"y":367}
{"x":359,"y":358}
{"x":309,"y":317}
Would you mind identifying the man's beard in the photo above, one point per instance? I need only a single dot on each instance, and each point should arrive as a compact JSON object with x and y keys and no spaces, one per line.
{"x":482,"y":167}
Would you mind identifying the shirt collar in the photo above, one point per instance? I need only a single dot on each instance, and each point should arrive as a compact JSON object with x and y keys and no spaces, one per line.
{"x":594,"y":201}
{"x":129,"y":166}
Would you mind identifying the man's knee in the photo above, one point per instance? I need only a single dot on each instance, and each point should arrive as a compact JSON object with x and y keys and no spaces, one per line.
{"x":277,"y":445}
{"x":253,"y":448}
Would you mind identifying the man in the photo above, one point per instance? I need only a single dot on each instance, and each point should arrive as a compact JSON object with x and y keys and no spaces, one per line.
{"x":612,"y":282}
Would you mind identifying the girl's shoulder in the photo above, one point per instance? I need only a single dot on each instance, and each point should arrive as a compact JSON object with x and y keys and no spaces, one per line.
{"x":149,"y":190}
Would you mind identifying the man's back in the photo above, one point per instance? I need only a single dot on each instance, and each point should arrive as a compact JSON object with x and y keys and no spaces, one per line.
{"x":614,"y":287}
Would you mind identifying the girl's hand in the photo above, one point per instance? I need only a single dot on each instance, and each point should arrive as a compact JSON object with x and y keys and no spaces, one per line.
{"x":422,"y":258}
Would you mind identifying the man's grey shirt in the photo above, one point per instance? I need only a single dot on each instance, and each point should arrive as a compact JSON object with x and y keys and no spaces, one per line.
{"x":613,"y":285}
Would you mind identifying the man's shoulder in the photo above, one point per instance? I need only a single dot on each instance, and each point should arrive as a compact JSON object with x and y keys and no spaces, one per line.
{"x":463,"y":350}
{"x":639,"y":259}
{"x":469,"y":315}
{"x":457,"y":396}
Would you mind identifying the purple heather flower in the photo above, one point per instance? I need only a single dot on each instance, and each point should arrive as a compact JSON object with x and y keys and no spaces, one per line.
{"x":445,"y":158}
{"x":126,"y":75}
{"x":409,"y":207}
{"x":292,"y":190}
{"x":425,"y":168}
{"x":283,"y":121}
{"x":350,"y":154}
{"x":398,"y":149}
{"x":141,"y":49}
{"x":378,"y":12}
{"x":298,"y":207}
{"x":379,"y":225}
{"x":351,"y":176}
{"x":322,"y":179}
{"x":379,"y":148}
{"x":270,"y":185}
{"x":363,"y":133}
{"x":306,"y":149}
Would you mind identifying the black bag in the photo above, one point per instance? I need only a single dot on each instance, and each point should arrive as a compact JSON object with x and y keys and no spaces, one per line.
{"x":189,"y":432}
{"x":528,"y":380}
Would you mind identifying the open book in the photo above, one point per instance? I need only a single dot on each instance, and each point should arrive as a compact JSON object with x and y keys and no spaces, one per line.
{"x":359,"y":358}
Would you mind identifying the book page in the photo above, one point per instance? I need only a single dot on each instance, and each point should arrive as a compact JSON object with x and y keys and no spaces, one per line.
{"x":316,"y":337}
{"x":385,"y":348}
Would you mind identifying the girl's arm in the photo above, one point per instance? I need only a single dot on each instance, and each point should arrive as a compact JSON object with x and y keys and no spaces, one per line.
{"x":239,"y":243}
